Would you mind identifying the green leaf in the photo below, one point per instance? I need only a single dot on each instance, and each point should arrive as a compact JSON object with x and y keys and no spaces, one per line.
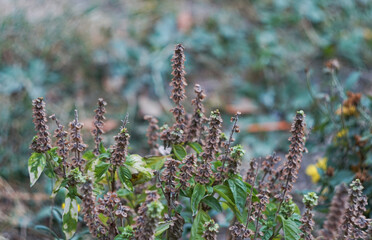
{"x":155,"y":162}
{"x":101,"y":169}
{"x":125,"y":176}
{"x":36,"y":165}
{"x":162,"y":228}
{"x":197,"y":228}
{"x":137,"y":166}
{"x":239,"y":191}
{"x":102,"y":149}
{"x":290,"y":228}
{"x":179,"y":151}
{"x":225,"y":192}
{"x":70,"y":216}
{"x":197,"y":195}
{"x":196,"y":146}
{"x":213,"y":203}
{"x":46,"y":229}
{"x":56,"y":187}
{"x":88,"y":155}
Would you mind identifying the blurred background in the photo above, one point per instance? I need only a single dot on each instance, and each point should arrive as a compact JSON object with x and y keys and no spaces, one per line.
{"x":250,"y":56}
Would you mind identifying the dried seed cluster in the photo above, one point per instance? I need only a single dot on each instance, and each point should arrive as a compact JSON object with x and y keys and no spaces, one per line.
{"x":198,"y":118}
{"x":41,"y":143}
{"x":77,"y":146}
{"x":98,"y":124}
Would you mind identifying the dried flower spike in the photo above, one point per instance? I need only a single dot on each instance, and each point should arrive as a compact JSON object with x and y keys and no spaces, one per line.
{"x":149,"y":214}
{"x":336,"y":213}
{"x":120,"y":149}
{"x":294,"y":156}
{"x":77,"y":144}
{"x":62,"y":143}
{"x":198,"y":118}
{"x":240,"y":232}
{"x":152,"y":134}
{"x":98,"y":124}
{"x":41,"y":143}
{"x":178,"y":93}
{"x":187,"y":170}
{"x":355,"y":223}
{"x":310,"y":200}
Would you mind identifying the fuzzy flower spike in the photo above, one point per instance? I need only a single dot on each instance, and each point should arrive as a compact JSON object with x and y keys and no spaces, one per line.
{"x":41,"y":143}
{"x":98,"y":124}
{"x":77,"y":145}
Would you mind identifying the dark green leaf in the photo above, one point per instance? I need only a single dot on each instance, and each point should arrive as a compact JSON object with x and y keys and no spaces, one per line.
{"x":197,"y":228}
{"x":46,"y":229}
{"x":101,"y":169}
{"x":179,"y":151}
{"x":196,"y":146}
{"x":290,"y":228}
{"x":213,"y":203}
{"x":125,"y":176}
{"x":102,"y":149}
{"x":197,"y":195}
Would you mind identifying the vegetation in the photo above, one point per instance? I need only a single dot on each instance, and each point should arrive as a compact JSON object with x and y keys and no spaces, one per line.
{"x":177,"y":191}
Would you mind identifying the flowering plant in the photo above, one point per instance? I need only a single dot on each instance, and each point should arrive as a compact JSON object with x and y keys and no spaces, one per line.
{"x":176,"y":192}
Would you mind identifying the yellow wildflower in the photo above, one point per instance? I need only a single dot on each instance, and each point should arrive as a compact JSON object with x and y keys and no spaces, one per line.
{"x":64,"y":205}
{"x":322,"y":163}
{"x":347,"y":110}
{"x":312,"y":171}
{"x":342,"y":133}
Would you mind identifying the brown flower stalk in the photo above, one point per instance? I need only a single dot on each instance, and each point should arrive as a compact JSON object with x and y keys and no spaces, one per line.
{"x":148,"y":216}
{"x":222,"y":170}
{"x":268,"y":170}
{"x":152,"y":134}
{"x":169,"y":177}
{"x":355,"y":223}
{"x":294,"y":156}
{"x":41,"y":143}
{"x":252,"y":172}
{"x":258,"y":209}
{"x":176,"y":229}
{"x":198,"y":118}
{"x":120,"y":149}
{"x":204,"y":172}
{"x":98,"y":124}
{"x":178,"y":93}
{"x":77,"y":145}
{"x":211,"y":230}
{"x":336,"y":213}
{"x":187,"y":170}
{"x":62,"y":143}
{"x":310,"y":200}
{"x":96,"y":228}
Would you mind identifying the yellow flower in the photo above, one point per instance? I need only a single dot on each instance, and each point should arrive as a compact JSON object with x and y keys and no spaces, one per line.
{"x":342,"y":133}
{"x":312,"y":171}
{"x":347,"y":110}
{"x":63,"y":206}
{"x":322,"y":163}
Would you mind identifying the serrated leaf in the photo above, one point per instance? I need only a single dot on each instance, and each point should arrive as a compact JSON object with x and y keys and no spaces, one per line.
{"x":197,"y":195}
{"x":101,"y":169}
{"x":155,"y":162}
{"x":137,"y":166}
{"x":125,"y":176}
{"x":179,"y":151}
{"x":239,"y":191}
{"x":290,"y":228}
{"x":213,"y":203}
{"x":36,"y":165}
{"x":162,"y":228}
{"x":70,"y":217}
{"x":197,"y":228}
{"x":196,"y":146}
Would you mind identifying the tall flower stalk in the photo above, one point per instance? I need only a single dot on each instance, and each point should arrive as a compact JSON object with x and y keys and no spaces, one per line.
{"x":152,"y":134}
{"x":77,"y":145}
{"x":310,"y":200}
{"x":98,"y":124}
{"x":198,"y":118}
{"x":41,"y":143}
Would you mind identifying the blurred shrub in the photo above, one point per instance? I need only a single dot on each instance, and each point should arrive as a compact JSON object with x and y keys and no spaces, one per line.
{"x":256,"y":50}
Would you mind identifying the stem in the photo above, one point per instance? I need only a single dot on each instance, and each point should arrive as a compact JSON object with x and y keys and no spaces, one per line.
{"x":250,"y":199}
{"x":113,"y":182}
{"x":258,"y":218}
{"x":227,"y":147}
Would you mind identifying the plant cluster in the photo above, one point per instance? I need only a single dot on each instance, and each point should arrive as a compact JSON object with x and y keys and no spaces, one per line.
{"x":347,"y":121}
{"x":193,"y":174}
